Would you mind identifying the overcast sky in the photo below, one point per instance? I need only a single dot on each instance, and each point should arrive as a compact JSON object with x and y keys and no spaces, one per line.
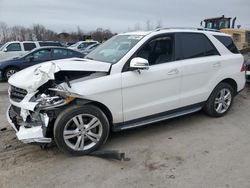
{"x":118,"y":16}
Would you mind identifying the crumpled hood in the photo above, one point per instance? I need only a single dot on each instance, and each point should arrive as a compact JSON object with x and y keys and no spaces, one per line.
{"x":33,"y":77}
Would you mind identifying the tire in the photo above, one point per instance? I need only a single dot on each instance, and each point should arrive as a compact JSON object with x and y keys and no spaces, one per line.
{"x":73,"y":133}
{"x":9,"y":72}
{"x":220,"y":101}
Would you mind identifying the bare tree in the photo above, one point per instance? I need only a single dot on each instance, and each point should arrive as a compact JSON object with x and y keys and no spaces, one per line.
{"x":40,"y":32}
{"x":4,"y":31}
{"x":97,"y":35}
{"x":137,"y":26}
{"x":148,"y":25}
{"x":159,"y":24}
{"x":17,"y":33}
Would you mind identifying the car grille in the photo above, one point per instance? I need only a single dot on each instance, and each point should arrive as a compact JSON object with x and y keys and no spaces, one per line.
{"x":17,"y":94}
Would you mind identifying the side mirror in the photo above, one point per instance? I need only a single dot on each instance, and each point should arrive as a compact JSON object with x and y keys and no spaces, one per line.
{"x":139,"y":63}
{"x":5,"y":50}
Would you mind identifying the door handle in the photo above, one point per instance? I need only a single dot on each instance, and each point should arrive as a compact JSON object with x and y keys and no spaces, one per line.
{"x":173,"y":71}
{"x":217,"y":64}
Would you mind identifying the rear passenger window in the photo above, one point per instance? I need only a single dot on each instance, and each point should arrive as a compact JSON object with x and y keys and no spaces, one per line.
{"x":60,"y":53}
{"x":228,"y":43}
{"x":29,"y":46}
{"x":193,"y":45}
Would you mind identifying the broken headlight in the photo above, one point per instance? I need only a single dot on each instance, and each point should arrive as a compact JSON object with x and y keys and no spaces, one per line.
{"x":47,"y":102}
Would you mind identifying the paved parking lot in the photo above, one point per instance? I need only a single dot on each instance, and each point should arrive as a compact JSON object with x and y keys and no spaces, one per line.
{"x":186,"y":152}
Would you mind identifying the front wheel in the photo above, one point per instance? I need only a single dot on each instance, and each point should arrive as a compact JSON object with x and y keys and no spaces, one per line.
{"x":220,"y":101}
{"x":81,"y":130}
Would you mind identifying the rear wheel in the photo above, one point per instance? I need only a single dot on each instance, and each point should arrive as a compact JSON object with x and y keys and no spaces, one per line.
{"x":81,"y":130}
{"x":9,"y":72}
{"x":220,"y":101}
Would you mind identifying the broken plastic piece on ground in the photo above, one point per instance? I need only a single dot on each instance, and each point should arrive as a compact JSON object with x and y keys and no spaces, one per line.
{"x":3,"y":129}
{"x":47,"y":145}
{"x":110,"y":154}
{"x":106,"y":154}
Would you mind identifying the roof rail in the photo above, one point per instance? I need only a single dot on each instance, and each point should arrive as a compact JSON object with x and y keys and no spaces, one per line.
{"x":191,"y":28}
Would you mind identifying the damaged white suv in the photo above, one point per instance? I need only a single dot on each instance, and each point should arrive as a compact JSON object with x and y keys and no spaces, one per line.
{"x":131,"y":80}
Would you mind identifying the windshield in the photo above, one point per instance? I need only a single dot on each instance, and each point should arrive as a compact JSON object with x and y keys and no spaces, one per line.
{"x":114,"y":49}
{"x":3,"y":46}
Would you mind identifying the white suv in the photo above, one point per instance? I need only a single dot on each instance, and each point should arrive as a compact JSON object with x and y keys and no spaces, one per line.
{"x":131,"y":80}
{"x":16,"y":48}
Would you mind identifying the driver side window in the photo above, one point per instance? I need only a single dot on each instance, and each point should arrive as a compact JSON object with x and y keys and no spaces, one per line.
{"x":14,"y":47}
{"x":158,"y":50}
{"x":41,"y":55}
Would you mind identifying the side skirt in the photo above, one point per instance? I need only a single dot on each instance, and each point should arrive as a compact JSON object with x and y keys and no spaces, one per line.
{"x":157,"y":117}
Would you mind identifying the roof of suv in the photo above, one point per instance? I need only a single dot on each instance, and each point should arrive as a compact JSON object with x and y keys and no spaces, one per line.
{"x":170,"y":30}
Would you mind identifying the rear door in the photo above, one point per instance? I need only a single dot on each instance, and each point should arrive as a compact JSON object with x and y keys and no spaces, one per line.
{"x":58,"y":53}
{"x":199,"y":62}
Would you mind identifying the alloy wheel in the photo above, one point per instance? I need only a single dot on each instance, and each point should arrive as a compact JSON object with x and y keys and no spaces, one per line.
{"x":223,"y":100}
{"x":82,"y":132}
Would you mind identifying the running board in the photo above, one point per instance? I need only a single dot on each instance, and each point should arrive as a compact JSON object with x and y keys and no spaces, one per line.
{"x":157,"y":117}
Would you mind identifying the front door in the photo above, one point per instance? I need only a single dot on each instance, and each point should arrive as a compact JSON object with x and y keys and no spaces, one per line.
{"x":39,"y":56}
{"x":156,"y":90}
{"x":12,"y":50}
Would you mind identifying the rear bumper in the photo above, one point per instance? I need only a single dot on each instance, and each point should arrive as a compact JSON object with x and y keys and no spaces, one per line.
{"x":28,"y":132}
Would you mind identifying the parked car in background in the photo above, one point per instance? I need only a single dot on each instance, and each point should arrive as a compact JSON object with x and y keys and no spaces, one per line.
{"x":82,"y":45}
{"x":89,"y":49}
{"x":69,"y":43}
{"x":39,"y":55}
{"x":16,"y":48}
{"x":1,"y":44}
{"x":76,"y":102}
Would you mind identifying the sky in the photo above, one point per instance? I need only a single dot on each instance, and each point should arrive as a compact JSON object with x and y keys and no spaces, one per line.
{"x":119,"y":16}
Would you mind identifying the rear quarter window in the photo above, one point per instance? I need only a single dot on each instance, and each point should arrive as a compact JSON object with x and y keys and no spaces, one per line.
{"x":228,"y":43}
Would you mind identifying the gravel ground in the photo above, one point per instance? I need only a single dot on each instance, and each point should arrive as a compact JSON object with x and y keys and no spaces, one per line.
{"x":193,"y":151}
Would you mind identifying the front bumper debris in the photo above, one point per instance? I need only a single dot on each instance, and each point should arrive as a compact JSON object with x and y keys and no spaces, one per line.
{"x":28,"y":131}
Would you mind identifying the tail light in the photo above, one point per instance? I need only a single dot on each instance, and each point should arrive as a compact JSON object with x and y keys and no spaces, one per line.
{"x":244,"y":67}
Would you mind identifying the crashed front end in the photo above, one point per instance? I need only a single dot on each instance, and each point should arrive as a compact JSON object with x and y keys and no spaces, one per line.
{"x":30,"y":114}
{"x":37,"y":95}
